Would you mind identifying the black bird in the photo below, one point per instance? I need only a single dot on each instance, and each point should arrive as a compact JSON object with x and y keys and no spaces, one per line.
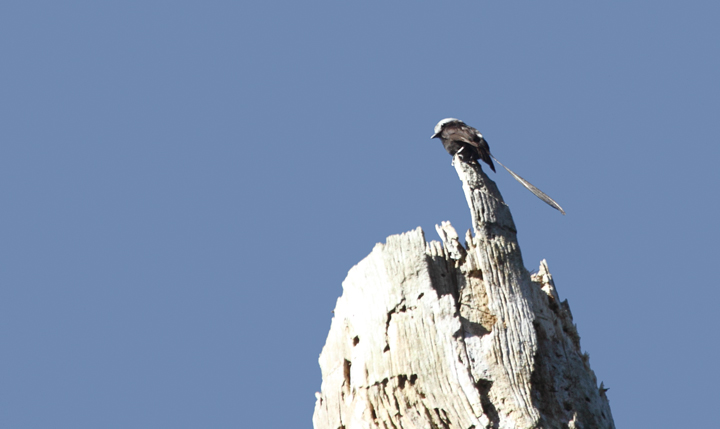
{"x":469,"y":145}
{"x":463,"y":140}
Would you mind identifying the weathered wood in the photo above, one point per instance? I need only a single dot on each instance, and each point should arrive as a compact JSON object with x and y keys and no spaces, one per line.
{"x":431,"y":335}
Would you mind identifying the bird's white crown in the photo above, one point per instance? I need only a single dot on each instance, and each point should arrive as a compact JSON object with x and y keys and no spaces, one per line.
{"x":440,"y":124}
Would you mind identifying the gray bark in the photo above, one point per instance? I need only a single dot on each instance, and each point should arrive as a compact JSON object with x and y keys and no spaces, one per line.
{"x":441,"y":335}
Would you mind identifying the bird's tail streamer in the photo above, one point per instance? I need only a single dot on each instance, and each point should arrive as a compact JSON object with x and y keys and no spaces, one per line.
{"x":538,"y":193}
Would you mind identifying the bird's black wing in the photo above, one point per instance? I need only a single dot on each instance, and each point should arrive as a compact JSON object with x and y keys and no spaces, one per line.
{"x":471,"y":137}
{"x":459,"y":133}
{"x":482,"y":146}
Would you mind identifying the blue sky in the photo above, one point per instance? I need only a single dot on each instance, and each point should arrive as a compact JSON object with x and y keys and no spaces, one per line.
{"x":185,"y":185}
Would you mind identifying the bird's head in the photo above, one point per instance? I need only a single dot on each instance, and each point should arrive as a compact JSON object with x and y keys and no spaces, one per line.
{"x":442,"y":124}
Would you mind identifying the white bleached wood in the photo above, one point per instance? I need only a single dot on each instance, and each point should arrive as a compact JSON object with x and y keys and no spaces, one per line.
{"x":438,"y":335}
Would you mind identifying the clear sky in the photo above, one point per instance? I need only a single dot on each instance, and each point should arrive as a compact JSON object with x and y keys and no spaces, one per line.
{"x":184,"y":186}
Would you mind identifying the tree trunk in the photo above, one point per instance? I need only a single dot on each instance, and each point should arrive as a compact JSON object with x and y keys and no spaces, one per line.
{"x":431,"y":335}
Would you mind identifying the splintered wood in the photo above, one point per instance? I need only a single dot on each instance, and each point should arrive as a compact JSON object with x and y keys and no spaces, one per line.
{"x":441,"y":335}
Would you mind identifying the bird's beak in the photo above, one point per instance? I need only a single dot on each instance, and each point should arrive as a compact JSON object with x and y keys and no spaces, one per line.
{"x":434,"y":135}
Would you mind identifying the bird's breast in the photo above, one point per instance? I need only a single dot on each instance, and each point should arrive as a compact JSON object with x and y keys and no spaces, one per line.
{"x":452,"y":146}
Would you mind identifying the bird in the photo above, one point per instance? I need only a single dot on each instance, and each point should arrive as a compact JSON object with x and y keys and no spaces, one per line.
{"x":465,"y":141}
{"x":469,"y":145}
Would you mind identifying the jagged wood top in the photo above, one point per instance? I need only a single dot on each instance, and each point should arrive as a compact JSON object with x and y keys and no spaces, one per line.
{"x":451,"y":336}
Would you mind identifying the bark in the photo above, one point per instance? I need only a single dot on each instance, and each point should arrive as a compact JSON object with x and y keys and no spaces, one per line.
{"x":441,"y":335}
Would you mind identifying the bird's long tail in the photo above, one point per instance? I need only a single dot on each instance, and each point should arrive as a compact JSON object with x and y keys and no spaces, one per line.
{"x":538,"y":193}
